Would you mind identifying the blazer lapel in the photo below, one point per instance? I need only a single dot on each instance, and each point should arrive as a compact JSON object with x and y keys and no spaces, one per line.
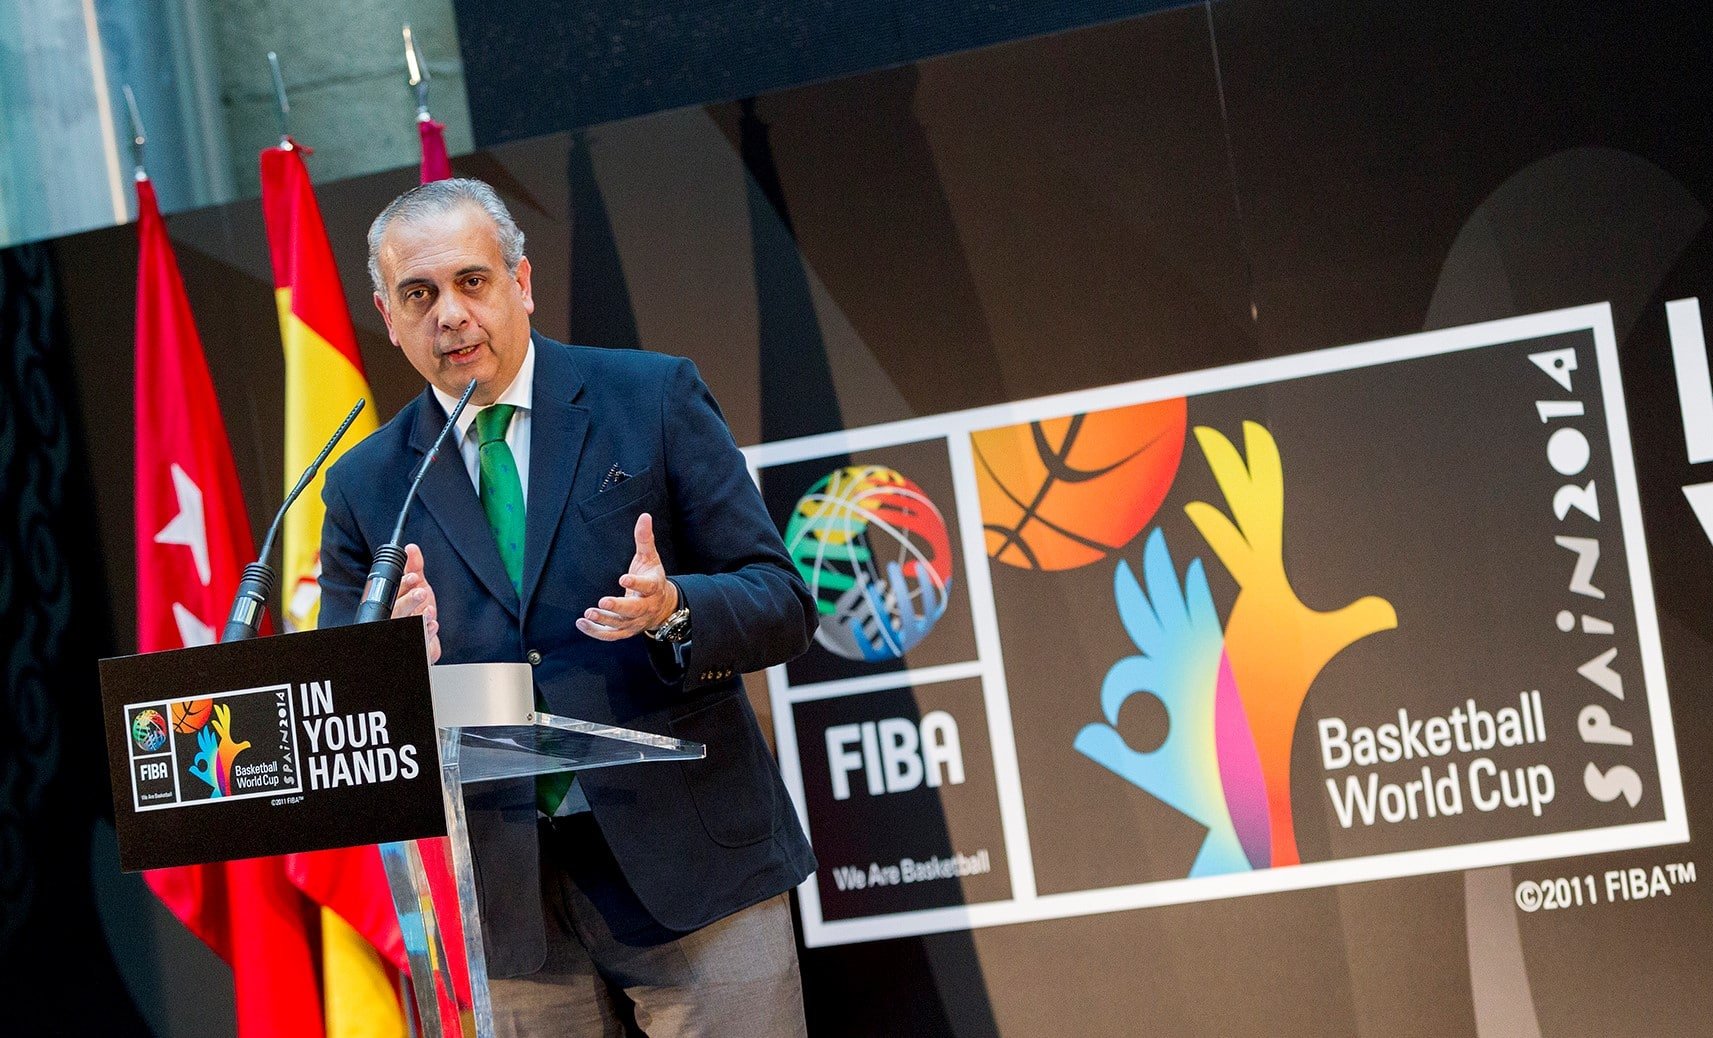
{"x":450,"y":500}
{"x":557,"y":428}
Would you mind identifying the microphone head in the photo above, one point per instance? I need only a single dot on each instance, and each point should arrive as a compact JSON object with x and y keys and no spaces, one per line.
{"x":381,"y":590}
{"x":250,"y":604}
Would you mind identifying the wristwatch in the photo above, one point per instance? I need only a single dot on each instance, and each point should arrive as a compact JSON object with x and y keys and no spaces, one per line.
{"x":676,"y":627}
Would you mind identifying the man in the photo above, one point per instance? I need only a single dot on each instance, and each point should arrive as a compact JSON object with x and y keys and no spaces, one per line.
{"x":598,"y":522}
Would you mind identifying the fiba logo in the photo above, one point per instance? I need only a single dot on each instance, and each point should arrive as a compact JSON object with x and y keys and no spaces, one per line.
{"x":213,"y":758}
{"x":898,"y":754}
{"x":149,"y":730}
{"x":876,"y":555}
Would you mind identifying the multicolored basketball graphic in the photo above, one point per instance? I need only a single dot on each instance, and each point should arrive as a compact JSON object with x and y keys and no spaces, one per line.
{"x":1071,"y":491}
{"x":149,"y":730}
{"x":876,"y":554}
{"x":190,"y":715}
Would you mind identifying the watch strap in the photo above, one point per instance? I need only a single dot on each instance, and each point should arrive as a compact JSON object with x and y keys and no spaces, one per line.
{"x":676,"y":625}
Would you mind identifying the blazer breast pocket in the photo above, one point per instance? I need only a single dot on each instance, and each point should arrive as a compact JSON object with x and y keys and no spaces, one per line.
{"x":643,"y":485}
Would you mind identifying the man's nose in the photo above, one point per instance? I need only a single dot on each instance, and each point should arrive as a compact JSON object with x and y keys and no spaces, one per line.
{"x":451,"y":312}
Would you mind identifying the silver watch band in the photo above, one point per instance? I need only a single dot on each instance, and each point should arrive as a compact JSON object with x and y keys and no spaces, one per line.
{"x":673,"y":627}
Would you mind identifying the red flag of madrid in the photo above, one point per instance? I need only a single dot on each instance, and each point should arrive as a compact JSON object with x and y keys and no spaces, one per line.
{"x":193,"y":537}
{"x":192,"y":540}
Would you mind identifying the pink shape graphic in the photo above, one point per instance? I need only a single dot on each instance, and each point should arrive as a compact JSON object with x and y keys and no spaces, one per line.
{"x":1240,"y":769}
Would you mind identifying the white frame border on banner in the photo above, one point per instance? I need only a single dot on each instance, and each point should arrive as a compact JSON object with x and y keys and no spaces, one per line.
{"x":1025,"y":904}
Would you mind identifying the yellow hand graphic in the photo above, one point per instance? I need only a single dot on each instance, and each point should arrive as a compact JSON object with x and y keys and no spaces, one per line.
{"x":229,"y":750}
{"x":1277,"y":645}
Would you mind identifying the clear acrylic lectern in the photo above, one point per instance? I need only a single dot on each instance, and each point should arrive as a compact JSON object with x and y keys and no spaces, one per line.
{"x":493,"y":743}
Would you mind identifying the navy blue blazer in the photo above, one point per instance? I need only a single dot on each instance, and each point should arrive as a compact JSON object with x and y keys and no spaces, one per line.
{"x":696,"y":840}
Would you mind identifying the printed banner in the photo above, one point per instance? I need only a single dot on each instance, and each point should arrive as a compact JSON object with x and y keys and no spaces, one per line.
{"x":1373,"y":611}
{"x":307,"y":742}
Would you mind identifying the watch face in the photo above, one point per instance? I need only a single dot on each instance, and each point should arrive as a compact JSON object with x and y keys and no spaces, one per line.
{"x":677,"y":626}
{"x":674,"y":627}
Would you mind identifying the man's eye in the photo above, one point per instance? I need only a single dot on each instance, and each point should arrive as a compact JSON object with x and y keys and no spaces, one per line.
{"x":474,"y":283}
{"x":416,"y":295}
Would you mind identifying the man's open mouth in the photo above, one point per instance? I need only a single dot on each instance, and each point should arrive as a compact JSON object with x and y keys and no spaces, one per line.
{"x":462,"y":352}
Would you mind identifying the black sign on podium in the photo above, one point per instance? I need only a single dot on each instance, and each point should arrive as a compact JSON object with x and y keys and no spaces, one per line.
{"x":304,"y":742}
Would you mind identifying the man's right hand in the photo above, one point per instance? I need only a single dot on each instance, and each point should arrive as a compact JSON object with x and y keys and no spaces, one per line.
{"x":416,"y":598}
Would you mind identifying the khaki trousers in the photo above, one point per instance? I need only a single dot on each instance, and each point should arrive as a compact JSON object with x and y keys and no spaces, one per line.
{"x":612,"y":971}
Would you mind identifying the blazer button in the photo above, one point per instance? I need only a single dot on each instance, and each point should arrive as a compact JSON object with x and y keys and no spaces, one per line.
{"x":533,"y":657}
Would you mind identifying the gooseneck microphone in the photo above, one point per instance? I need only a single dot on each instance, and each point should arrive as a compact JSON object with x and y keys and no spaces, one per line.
{"x":250,"y":604}
{"x":382,"y":587}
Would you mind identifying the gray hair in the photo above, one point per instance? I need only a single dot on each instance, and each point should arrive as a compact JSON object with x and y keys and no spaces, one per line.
{"x":436,"y":198}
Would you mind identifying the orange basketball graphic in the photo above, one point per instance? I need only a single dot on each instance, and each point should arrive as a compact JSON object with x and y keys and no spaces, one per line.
{"x":1069,"y":491}
{"x":190,"y":715}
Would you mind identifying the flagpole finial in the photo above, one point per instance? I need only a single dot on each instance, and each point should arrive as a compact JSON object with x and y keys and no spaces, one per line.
{"x":284,"y":105}
{"x":416,"y":64}
{"x":138,"y":138}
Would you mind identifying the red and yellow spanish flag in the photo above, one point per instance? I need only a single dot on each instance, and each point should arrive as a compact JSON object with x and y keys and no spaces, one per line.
{"x":324,"y":371}
{"x":324,"y":377}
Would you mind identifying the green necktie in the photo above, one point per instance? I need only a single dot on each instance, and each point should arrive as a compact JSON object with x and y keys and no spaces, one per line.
{"x":502,"y":491}
{"x":502,"y":501}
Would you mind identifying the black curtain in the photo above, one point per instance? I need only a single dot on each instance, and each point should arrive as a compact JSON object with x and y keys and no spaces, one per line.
{"x":54,"y":625}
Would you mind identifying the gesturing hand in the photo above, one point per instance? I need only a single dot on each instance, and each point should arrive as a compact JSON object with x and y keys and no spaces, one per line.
{"x":648,"y":600}
{"x":416,"y":597}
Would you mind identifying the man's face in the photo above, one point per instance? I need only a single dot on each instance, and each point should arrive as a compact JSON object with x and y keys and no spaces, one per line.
{"x":450,"y":304}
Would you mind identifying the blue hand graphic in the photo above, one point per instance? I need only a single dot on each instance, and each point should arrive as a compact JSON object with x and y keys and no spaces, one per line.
{"x":203,"y":766}
{"x":1178,"y":633}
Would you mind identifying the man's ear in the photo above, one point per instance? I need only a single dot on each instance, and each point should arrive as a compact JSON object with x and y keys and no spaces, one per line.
{"x":522,"y":276}
{"x":386,"y":316}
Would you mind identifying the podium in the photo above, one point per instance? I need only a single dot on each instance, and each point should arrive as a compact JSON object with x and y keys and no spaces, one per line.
{"x":346,"y":737}
{"x":490,"y":737}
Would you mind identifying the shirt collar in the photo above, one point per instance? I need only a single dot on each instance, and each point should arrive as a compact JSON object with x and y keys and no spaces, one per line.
{"x":519,"y":394}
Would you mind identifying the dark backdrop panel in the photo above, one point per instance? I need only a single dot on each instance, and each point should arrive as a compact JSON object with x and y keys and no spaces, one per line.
{"x":581,"y":63}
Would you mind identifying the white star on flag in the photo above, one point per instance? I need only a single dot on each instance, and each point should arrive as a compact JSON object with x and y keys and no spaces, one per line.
{"x":192,"y":632}
{"x":188,"y":527}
